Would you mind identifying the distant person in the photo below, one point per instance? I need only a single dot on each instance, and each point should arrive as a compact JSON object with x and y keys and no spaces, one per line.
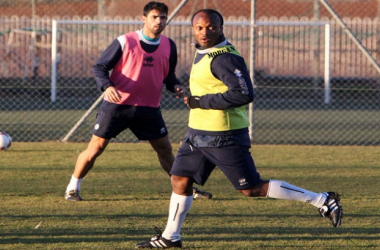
{"x":218,"y":134}
{"x":141,"y":61}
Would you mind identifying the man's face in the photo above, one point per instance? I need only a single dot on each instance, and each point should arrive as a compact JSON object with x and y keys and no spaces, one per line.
{"x":155,"y":23}
{"x":207,"y":29}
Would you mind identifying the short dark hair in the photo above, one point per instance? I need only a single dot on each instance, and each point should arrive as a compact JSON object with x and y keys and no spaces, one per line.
{"x":209,"y":12}
{"x":161,"y":7}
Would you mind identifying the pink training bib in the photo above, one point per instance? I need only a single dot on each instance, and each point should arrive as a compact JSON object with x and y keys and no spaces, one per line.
{"x":139,"y":76}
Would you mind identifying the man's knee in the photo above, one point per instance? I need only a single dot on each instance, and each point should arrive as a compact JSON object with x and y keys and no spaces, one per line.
{"x":162,"y":146}
{"x":92,"y":153}
{"x":165,"y":150}
{"x":93,"y":150}
{"x":96,"y":152}
{"x":260,"y":190}
{"x":182,"y":185}
{"x":180,"y":180}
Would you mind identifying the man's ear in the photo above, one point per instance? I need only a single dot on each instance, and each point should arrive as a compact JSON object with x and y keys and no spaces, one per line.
{"x":143,"y":18}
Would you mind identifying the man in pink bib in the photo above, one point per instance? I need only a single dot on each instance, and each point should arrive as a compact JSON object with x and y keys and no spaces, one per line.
{"x":141,"y":62}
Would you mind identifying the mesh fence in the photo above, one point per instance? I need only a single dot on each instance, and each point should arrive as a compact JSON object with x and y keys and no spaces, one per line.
{"x":294,"y":103}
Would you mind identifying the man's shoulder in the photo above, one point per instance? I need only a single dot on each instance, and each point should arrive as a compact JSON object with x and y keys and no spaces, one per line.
{"x":169,"y":39}
{"x":226,"y":56}
{"x":127,"y":35}
{"x":172,"y":43}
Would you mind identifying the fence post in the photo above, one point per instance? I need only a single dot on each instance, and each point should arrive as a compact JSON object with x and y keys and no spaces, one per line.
{"x":54,"y":61}
{"x":327,"y":64}
{"x":252,"y":64}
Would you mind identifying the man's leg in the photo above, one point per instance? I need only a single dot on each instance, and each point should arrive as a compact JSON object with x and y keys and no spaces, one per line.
{"x":283,"y":190}
{"x":164,"y":151}
{"x":327,"y":203}
{"x":180,"y":204}
{"x":84,"y":164}
{"x":243,"y":172}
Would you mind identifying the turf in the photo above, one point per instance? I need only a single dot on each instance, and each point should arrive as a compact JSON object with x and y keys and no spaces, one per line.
{"x":127,"y":194}
{"x":299,"y":127}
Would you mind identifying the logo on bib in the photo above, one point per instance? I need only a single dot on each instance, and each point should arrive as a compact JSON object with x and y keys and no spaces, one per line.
{"x":148,"y":61}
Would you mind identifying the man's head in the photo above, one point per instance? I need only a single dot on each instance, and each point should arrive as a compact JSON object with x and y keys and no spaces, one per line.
{"x":154,"y":17}
{"x":207,"y":27}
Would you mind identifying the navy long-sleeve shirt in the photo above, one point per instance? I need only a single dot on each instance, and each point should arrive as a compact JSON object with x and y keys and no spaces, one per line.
{"x":238,"y":93}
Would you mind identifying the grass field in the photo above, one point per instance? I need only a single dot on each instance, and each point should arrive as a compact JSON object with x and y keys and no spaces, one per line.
{"x":307,"y":127}
{"x":127,"y":194}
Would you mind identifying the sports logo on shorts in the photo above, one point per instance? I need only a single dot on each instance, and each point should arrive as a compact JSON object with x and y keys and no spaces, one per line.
{"x":96,"y":127}
{"x":243,"y":182}
{"x":163,"y":130}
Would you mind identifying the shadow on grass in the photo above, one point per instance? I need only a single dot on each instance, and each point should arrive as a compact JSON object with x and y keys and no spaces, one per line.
{"x":193,"y":215}
{"x":226,"y":234}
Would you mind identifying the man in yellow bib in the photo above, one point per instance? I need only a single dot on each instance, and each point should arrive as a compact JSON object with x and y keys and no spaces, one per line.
{"x":218,"y":134}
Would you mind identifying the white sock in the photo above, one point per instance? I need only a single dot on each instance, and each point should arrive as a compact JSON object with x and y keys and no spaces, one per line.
{"x":283,"y":190}
{"x":178,"y":208}
{"x":74,"y":184}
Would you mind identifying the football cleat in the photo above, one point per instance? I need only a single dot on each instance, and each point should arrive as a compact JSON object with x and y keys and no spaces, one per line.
{"x":160,"y":242}
{"x":73,"y":195}
{"x":332,"y":208}
{"x":198,"y":194}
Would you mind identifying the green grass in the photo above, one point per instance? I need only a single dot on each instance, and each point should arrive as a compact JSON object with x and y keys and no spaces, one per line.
{"x":127,"y":194}
{"x":301,"y":127}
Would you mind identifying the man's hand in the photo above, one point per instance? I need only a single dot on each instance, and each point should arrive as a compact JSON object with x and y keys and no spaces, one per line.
{"x":112,"y":94}
{"x":179,"y":91}
{"x":192,"y":101}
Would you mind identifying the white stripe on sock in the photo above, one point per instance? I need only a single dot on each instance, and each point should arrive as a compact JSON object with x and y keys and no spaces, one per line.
{"x":283,"y":190}
{"x":178,"y":208}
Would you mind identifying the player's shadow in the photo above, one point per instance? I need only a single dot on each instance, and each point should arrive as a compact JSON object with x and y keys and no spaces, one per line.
{"x":212,"y":234}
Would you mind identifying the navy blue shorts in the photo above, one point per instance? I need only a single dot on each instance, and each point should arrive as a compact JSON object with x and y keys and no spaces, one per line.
{"x":232,"y":157}
{"x":147,"y":125}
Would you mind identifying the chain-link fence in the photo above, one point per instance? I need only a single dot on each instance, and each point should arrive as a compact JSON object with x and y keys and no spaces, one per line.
{"x":311,"y":88}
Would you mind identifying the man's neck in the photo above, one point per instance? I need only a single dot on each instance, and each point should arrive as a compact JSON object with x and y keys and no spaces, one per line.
{"x":151,"y":39}
{"x":147,"y":39}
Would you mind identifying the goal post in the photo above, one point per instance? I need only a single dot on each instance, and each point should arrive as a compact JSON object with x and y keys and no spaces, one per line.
{"x":54,"y":49}
{"x":327,"y":49}
{"x":327,"y":34}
